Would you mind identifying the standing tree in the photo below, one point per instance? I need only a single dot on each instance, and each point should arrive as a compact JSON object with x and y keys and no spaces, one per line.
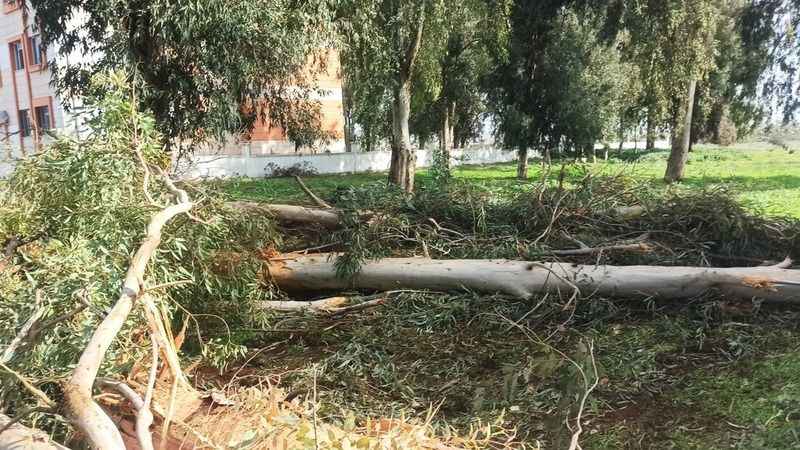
{"x":200,"y":63}
{"x":384,"y":39}
{"x":549,"y":94}
{"x":673,"y":43}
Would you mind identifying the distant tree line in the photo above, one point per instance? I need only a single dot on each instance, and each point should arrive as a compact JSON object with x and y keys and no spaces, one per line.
{"x":555,"y":76}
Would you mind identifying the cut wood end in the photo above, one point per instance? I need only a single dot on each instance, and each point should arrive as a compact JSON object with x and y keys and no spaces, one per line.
{"x":760,"y":283}
{"x":785,"y":264}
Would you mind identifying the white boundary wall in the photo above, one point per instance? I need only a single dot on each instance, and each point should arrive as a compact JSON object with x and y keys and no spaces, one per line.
{"x":327,"y":163}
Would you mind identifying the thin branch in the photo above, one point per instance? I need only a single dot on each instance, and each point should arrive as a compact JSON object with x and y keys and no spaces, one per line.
{"x":640,"y":246}
{"x":83,"y":411}
{"x":122,"y":389}
{"x":574,"y":445}
{"x":144,"y":418}
{"x":25,"y":331}
{"x":41,"y":396}
{"x":318,"y":201}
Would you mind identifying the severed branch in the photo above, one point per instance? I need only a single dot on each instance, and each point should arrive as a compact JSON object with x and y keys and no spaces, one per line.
{"x":329,"y":218}
{"x":81,"y":408}
{"x":331,"y":306}
{"x":144,"y":417}
{"x":318,"y":201}
{"x":637,"y":245}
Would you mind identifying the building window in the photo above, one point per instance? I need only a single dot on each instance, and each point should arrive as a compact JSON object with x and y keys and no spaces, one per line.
{"x":24,"y":122}
{"x":17,"y":55}
{"x":43,"y":117}
{"x":36,"y":49}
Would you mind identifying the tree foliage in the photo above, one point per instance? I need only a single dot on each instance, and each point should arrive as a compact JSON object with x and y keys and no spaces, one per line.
{"x":198,"y":61}
{"x":86,"y":203}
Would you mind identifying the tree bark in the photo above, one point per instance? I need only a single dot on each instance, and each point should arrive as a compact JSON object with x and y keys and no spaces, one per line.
{"x":401,"y":169}
{"x":347,"y":111}
{"x":522,"y":163}
{"x":446,"y":134}
{"x":681,"y":138}
{"x":20,"y":437}
{"x":403,"y":162}
{"x":525,"y":279}
{"x":329,"y":218}
{"x":651,"y":130}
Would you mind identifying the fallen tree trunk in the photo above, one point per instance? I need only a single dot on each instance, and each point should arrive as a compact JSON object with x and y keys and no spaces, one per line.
{"x":20,"y":437}
{"x":524,"y":279}
{"x":332,"y":218}
{"x":329,"y":218}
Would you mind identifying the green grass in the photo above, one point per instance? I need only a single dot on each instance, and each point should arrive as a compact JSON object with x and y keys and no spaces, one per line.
{"x":766,"y":180}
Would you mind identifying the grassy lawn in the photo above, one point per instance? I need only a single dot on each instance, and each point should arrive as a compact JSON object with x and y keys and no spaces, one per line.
{"x":674,"y":376}
{"x":767,"y":180}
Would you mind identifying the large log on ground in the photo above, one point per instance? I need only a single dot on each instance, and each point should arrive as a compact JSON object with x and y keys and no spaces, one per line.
{"x":20,"y":437}
{"x":329,"y":218}
{"x":524,"y":279}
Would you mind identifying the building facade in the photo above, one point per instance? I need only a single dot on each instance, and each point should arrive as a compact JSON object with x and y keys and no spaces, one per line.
{"x":31,"y":110}
{"x":266,"y":139}
{"x":29,"y":105}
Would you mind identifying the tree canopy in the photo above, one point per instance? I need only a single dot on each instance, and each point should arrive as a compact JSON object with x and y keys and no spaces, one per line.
{"x":201,"y":66}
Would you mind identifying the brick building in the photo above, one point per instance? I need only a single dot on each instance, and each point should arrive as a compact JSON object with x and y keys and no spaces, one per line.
{"x":30,"y":108}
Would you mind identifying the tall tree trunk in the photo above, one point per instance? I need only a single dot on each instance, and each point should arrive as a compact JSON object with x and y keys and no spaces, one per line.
{"x":401,"y":169}
{"x":651,"y":130}
{"x":347,"y":110}
{"x":681,"y":138}
{"x":446,"y":135}
{"x":522,"y":162}
{"x":404,"y":159}
{"x":452,"y":130}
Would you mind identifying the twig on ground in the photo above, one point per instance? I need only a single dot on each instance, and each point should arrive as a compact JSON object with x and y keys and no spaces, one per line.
{"x":318,"y":201}
{"x":637,"y":245}
{"x":332,"y":306}
{"x":574,"y":442}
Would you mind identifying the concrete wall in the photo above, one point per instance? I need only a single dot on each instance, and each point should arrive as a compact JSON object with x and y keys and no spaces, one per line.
{"x":326,"y":163}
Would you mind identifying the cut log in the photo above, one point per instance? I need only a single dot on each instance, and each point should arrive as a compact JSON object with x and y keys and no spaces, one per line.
{"x":329,"y":218}
{"x":20,"y":437}
{"x":524,"y":279}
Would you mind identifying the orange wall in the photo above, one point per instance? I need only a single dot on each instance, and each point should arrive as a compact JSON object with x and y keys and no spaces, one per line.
{"x":331,"y":108}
